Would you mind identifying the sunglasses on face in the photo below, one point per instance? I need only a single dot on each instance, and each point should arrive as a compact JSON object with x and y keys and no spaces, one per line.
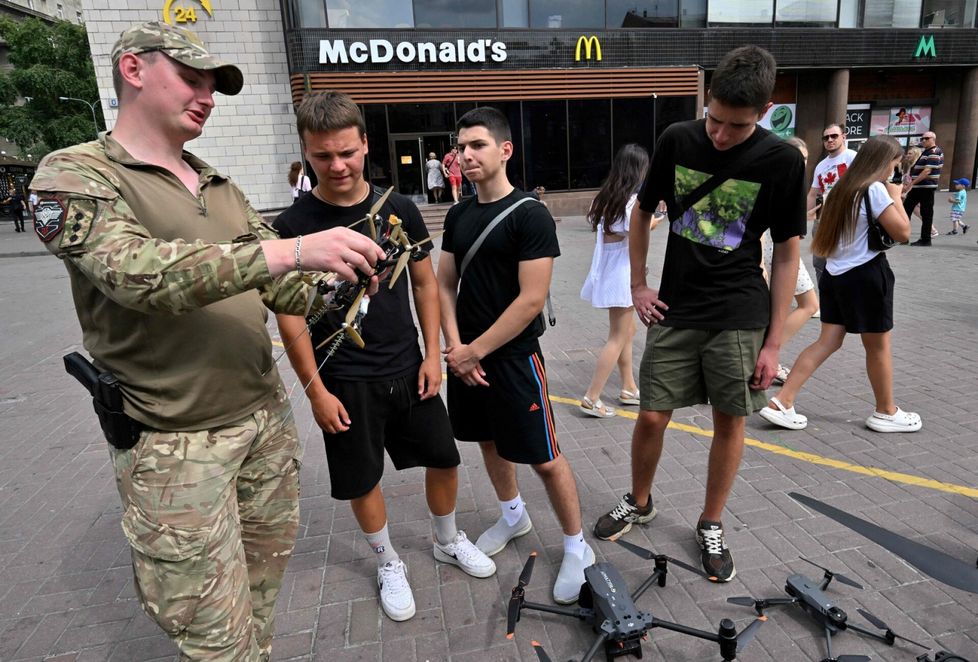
{"x":831,"y":136}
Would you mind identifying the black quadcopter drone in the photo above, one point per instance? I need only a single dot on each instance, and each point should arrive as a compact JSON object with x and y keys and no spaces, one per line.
{"x":810,"y":596}
{"x":620,"y":626}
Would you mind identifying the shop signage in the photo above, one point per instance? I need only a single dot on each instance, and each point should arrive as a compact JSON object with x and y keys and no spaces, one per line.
{"x":900,"y":121}
{"x":925,"y":47}
{"x":857,"y":121}
{"x":182,"y":14}
{"x":589,"y":43}
{"x":381,"y":51}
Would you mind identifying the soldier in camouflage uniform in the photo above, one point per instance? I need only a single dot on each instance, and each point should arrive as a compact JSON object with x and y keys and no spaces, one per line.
{"x":171,"y":272}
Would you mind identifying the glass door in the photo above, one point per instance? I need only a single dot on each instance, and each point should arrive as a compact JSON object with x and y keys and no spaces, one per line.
{"x":410,"y":153}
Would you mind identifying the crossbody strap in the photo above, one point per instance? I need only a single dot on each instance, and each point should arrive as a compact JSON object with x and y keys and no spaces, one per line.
{"x":746,"y":159}
{"x":477,"y":244}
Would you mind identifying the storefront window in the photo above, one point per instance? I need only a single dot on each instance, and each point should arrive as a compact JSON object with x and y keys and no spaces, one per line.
{"x":421,"y":117}
{"x":454,"y":14}
{"x":562,"y":14}
{"x":949,"y":13}
{"x":589,"y":122}
{"x":849,"y":14}
{"x":741,"y":12}
{"x":369,"y":14}
{"x":643,"y":13}
{"x":892,"y":14}
{"x":802,"y":13}
{"x":515,"y":14}
{"x":692,"y":14}
{"x":310,"y":13}
{"x":632,"y":123}
{"x":378,"y":156}
{"x":545,"y":142}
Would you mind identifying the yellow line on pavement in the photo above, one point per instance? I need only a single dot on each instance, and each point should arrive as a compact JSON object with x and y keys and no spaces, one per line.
{"x":896,"y":477}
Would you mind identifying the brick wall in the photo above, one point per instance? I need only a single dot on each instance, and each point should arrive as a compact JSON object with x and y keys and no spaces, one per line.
{"x":251,"y":136}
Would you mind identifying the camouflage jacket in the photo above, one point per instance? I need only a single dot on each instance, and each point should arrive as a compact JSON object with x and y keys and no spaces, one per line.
{"x":170,"y":289}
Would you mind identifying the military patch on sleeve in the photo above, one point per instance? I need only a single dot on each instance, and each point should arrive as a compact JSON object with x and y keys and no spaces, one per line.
{"x":78,"y":225}
{"x":49,"y":218}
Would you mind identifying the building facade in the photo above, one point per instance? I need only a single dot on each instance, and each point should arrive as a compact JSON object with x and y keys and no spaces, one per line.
{"x":577,"y":78}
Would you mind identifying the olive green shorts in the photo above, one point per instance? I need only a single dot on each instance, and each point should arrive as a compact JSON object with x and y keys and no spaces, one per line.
{"x":685,"y":367}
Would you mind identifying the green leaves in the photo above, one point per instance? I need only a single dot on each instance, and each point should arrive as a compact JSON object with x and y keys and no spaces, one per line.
{"x":49,"y":61}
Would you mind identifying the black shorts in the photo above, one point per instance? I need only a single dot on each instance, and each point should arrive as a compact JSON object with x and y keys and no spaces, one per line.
{"x":861,"y":299}
{"x":386,"y":414}
{"x":513,"y":411}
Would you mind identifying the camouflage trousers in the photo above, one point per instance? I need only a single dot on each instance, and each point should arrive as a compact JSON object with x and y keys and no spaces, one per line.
{"x":211,"y":517}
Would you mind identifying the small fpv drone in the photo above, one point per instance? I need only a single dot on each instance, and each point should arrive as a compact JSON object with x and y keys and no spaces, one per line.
{"x":810,"y":596}
{"x":606,"y":605}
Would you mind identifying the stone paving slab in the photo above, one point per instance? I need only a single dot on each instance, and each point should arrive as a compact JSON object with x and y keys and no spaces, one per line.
{"x":66,"y":590}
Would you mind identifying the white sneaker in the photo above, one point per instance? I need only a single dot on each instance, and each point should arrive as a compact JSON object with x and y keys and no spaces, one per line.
{"x":465,"y":555}
{"x":900,"y":421}
{"x":494,"y":539}
{"x":570,"y":578}
{"x":395,"y":592}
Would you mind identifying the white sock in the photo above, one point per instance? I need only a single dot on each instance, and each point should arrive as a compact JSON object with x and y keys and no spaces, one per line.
{"x":380,"y":542}
{"x":445,"y":528}
{"x":575,"y":544}
{"x":512,"y":510}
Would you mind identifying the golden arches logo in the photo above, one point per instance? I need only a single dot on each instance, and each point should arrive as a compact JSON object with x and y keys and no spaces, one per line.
{"x":181,"y":14}
{"x":589,"y":42}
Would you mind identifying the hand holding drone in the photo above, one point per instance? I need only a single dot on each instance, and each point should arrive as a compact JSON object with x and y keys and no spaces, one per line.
{"x":620,"y":626}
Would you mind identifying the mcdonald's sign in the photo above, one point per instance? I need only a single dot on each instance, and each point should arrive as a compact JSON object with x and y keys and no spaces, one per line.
{"x":588,"y":43}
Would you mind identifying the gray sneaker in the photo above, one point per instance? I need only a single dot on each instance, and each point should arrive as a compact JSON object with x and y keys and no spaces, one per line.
{"x":494,"y":539}
{"x":570,"y":577}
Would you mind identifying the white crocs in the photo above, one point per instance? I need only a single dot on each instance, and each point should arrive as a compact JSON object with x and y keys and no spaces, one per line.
{"x":900,"y":421}
{"x":785,"y":417}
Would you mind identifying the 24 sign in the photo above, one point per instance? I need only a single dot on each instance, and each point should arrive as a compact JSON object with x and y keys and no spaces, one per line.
{"x":180,"y":14}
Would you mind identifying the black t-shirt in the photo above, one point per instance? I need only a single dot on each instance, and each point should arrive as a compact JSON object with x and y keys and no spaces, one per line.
{"x":711,"y":275}
{"x":491,"y":280}
{"x":389,"y":334}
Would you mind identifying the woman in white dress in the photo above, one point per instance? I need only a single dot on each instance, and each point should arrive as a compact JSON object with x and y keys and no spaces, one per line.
{"x":607,"y":284}
{"x":436,"y":181}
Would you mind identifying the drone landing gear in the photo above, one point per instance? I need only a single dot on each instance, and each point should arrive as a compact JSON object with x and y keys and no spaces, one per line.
{"x":622,"y":648}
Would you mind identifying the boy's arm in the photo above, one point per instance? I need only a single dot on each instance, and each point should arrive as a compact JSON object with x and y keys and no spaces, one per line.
{"x":328,"y":411}
{"x":424,"y":287}
{"x":784,"y":274}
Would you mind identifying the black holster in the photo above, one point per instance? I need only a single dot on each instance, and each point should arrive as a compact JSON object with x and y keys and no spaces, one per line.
{"x":120,"y":430}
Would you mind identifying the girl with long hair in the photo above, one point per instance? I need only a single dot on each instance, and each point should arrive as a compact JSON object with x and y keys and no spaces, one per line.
{"x":856,"y":289}
{"x":298,"y":181}
{"x":607,"y":283}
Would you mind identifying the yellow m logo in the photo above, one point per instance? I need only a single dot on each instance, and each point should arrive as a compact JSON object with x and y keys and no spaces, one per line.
{"x":588,"y":43}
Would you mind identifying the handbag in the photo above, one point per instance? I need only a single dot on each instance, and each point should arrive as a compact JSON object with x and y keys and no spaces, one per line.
{"x":876,"y":236}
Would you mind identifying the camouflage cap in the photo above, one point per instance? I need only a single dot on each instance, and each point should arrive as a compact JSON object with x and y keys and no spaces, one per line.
{"x":183,"y":46}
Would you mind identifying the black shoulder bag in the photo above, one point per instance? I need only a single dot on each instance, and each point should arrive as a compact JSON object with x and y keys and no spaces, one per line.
{"x":877,"y":237}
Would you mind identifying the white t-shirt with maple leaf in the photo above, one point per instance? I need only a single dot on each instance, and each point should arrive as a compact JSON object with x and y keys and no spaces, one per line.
{"x":828,"y":171}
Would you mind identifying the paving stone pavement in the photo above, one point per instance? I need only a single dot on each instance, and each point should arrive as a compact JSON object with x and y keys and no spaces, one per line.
{"x":66,"y":591}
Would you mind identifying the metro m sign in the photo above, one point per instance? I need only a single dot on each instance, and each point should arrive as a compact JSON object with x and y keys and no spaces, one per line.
{"x":588,"y":43}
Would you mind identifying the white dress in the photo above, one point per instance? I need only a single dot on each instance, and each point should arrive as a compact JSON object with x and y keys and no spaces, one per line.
{"x":608,"y":282}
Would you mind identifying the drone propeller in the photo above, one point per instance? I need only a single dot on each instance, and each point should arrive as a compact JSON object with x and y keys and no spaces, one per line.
{"x":836,"y":575}
{"x":349,"y":327}
{"x":516,"y":599}
{"x":398,"y":268}
{"x":760,"y":605}
{"x":541,"y":654}
{"x":933,"y":563}
{"x":878,"y":622}
{"x":649,"y":555}
{"x":748,"y":633}
{"x":850,"y":658}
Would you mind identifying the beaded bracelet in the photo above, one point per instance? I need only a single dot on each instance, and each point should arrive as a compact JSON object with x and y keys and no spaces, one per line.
{"x":298,"y":253}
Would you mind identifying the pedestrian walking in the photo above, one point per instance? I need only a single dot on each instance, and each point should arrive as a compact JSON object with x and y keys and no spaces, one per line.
{"x":959,"y":204}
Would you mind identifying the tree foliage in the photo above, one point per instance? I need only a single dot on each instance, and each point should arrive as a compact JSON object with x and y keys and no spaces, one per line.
{"x":50,"y":61}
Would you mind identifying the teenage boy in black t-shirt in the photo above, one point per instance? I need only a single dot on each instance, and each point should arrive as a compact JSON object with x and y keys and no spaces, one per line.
{"x":384,"y":396}
{"x":497,"y":386}
{"x":714,"y":325}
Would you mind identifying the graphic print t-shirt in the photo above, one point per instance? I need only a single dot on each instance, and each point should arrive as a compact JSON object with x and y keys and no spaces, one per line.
{"x":491,"y":280}
{"x":389,"y":334}
{"x":829,"y":169}
{"x":711,"y":276}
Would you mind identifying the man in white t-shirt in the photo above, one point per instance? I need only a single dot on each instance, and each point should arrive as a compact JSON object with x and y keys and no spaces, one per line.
{"x":827,"y":174}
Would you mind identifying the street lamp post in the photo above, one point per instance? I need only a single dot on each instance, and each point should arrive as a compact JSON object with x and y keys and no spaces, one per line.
{"x":87,"y":103}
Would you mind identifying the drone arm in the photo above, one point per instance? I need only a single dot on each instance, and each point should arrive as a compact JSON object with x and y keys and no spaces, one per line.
{"x":869,"y":633}
{"x":683,"y":629}
{"x":595,"y":647}
{"x":653,"y":578}
{"x":562,"y":611}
